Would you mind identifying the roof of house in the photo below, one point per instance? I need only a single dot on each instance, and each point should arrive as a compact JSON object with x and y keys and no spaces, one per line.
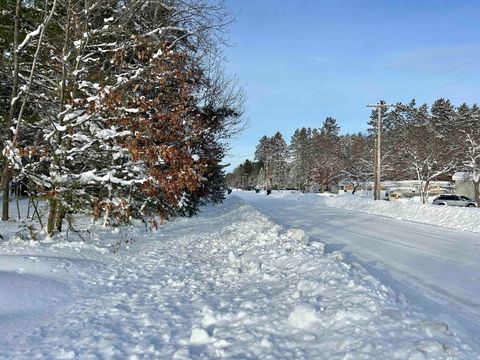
{"x":461,"y":175}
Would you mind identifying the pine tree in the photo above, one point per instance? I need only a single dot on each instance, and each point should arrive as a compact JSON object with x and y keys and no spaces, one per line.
{"x":272,"y":152}
{"x":279,"y":165}
{"x":301,"y":151}
{"x":326,"y":153}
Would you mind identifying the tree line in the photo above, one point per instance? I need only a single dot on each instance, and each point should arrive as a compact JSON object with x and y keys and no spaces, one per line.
{"x":420,"y":142}
{"x":116,"y":108}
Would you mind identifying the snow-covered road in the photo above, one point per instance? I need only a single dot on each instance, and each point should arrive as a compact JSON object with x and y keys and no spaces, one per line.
{"x":436,"y":268}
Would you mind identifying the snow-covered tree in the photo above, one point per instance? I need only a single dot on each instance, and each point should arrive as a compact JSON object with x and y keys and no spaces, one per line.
{"x":272,"y":152}
{"x":301,"y":153}
{"x":420,"y":144}
{"x":279,"y":167}
{"x":357,"y":160}
{"x":326,"y":153}
{"x":133,"y":108}
{"x":25,"y":85}
{"x":468,"y":144}
{"x":246,"y":175}
{"x":472,"y":163}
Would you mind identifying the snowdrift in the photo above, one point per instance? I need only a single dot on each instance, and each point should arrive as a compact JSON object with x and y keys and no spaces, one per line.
{"x":460,"y":218}
{"x":446,"y":216}
{"x":229,"y":283}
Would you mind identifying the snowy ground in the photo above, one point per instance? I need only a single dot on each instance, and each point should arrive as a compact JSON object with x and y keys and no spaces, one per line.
{"x":411,"y":209}
{"x":454,"y":217}
{"x":229,"y":283}
{"x":436,"y":268}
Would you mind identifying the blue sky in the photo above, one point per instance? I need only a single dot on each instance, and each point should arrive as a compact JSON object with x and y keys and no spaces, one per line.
{"x":300,"y":61}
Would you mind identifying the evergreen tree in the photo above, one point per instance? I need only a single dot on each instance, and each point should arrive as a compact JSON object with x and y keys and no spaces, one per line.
{"x":326,"y":154}
{"x":272,"y":152}
{"x":301,"y":152}
{"x":279,"y":165}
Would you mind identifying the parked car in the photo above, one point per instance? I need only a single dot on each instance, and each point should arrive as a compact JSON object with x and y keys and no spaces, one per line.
{"x":454,"y":200}
{"x":399,"y":193}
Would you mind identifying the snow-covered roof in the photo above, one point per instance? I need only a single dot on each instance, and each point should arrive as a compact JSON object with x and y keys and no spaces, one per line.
{"x":403,"y":183}
{"x":461,"y":175}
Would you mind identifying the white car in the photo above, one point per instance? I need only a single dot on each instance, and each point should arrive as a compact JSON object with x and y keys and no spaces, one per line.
{"x":454,"y":200}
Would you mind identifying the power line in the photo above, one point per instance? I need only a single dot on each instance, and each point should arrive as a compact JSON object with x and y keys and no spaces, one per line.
{"x":447,"y":84}
{"x":433,"y":76}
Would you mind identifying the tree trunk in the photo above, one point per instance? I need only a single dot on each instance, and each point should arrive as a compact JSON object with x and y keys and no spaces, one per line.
{"x":5,"y":191}
{"x":59,"y":218}
{"x":425,"y":192}
{"x":6,"y":179}
{"x":51,"y":217}
{"x":476,"y":189}
{"x":29,"y":207}
{"x":17,"y":194}
{"x":7,"y":173}
{"x":355,"y":188}
{"x":57,"y":211}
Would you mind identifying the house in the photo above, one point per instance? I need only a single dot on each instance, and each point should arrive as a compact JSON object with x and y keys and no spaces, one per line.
{"x":398,"y":188}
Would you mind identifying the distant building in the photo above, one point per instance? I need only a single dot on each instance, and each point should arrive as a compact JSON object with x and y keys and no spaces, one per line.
{"x":464,"y":184}
{"x":400,"y":188}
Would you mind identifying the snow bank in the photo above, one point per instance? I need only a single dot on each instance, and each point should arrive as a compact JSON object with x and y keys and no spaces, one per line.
{"x":30,"y":291}
{"x":460,"y":218}
{"x":446,"y":216}
{"x":229,"y":283}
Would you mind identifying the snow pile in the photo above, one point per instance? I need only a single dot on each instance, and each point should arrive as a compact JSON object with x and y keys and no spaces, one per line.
{"x":229,"y":283}
{"x":28,"y":288}
{"x":461,"y":218}
{"x":453,"y":217}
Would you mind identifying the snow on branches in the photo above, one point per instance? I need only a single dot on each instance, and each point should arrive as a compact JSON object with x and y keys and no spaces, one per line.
{"x":128,"y":119}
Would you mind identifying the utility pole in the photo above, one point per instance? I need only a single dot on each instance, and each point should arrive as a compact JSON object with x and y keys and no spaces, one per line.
{"x":377,"y":163}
